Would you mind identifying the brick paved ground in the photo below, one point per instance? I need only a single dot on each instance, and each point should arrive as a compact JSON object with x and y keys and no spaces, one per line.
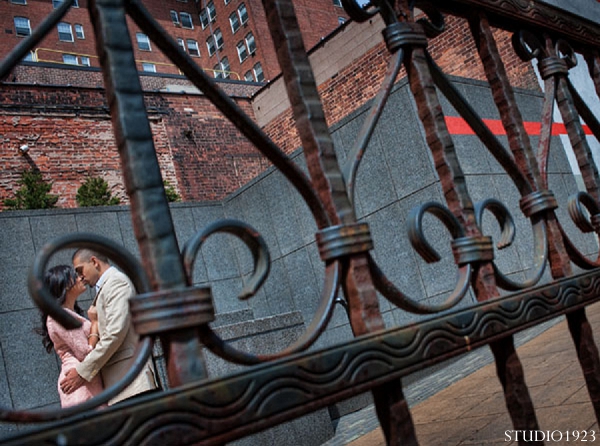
{"x":471,"y":411}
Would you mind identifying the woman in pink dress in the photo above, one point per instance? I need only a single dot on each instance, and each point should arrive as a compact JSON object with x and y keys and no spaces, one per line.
{"x":70,"y":345}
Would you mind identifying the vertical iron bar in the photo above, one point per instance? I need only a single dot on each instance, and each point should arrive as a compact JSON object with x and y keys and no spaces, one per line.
{"x":327,"y":178}
{"x":508,"y":365}
{"x":579,"y":326}
{"x":151,"y":216}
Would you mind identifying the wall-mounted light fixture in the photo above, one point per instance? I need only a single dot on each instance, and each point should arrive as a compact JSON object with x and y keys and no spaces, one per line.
{"x":23,"y":149}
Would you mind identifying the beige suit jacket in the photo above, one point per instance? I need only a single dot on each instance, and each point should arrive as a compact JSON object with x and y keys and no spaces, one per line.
{"x":113,"y":354}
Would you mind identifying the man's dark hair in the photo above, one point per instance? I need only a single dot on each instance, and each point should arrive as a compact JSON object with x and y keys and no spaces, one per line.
{"x":86,"y":254}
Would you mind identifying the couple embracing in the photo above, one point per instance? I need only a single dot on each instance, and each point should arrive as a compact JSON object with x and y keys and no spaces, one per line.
{"x":99,"y":353}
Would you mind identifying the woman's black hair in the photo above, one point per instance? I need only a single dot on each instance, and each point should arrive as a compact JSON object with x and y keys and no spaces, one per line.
{"x":58,"y":280}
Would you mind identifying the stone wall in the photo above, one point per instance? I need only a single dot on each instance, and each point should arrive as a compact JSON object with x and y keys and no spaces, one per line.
{"x":396,"y":174}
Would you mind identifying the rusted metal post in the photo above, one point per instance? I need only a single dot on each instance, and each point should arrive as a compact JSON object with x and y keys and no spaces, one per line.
{"x":150,"y":212}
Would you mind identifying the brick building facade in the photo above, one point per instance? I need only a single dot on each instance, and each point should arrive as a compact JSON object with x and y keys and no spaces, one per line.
{"x":201,"y":153}
{"x":230,"y":38}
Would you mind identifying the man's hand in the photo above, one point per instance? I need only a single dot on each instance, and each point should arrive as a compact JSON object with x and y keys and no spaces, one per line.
{"x":71,"y":382}
{"x":92,"y":314}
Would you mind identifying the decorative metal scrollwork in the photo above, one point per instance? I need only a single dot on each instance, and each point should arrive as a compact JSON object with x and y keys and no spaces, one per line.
{"x":507,"y":226}
{"x":430,"y":255}
{"x":260,"y":253}
{"x":41,"y":296}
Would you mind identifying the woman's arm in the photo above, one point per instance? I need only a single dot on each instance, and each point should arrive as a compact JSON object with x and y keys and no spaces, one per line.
{"x":94,"y":336}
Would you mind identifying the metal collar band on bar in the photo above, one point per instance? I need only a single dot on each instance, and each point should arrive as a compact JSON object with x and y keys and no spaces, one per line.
{"x":397,"y":35}
{"x":343,"y":240}
{"x":537,"y":202}
{"x":162,"y":311}
{"x":550,"y":66}
{"x":473,"y":249}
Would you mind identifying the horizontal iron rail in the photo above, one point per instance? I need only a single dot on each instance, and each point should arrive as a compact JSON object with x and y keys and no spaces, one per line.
{"x":225,"y":409}
{"x":513,"y":15}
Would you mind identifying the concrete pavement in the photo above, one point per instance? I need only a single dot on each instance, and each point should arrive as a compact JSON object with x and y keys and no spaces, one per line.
{"x":471,"y":410}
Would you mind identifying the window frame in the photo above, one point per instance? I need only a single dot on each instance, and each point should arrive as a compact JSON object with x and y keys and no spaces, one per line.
{"x":141,"y":42}
{"x":85,"y":61}
{"x":70,"y":36}
{"x":212,"y":11}
{"x":249,"y":72}
{"x":210,"y":43}
{"x":18,"y":2}
{"x":236,"y":16}
{"x":254,"y":70}
{"x":196,"y":48}
{"x":148,"y":65}
{"x":242,"y":51}
{"x":219,"y":38}
{"x":250,"y":36}
{"x":188,"y":16}
{"x":28,"y":33}
{"x":79,"y":35}
{"x":75,"y":58}
{"x":57,"y":3}
{"x":175,"y":18}
{"x":239,"y":8}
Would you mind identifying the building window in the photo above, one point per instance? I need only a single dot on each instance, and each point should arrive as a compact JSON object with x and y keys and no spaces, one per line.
{"x":79,"y":31}
{"x":18,"y":2}
{"x":250,"y":43}
{"x":258,"y":72}
{"x":341,"y":20}
{"x":181,"y":44}
{"x":234,"y":21}
{"x":148,"y":67}
{"x":242,"y":51}
{"x":227,"y":1}
{"x":337,"y":3}
{"x":175,"y":18}
{"x":30,"y":57}
{"x":225,"y":66}
{"x":208,"y":14}
{"x":212,"y":12}
{"x":22,"y":26}
{"x":70,"y":59}
{"x":186,"y":20}
{"x":65,"y":32}
{"x":57,"y":3}
{"x":221,"y":70}
{"x":249,"y":77}
{"x":204,"y":18}
{"x":210,"y":45}
{"x":219,"y":38}
{"x":143,"y":42}
{"x":193,"y":48}
{"x":243,"y":13}
{"x":85,"y":61}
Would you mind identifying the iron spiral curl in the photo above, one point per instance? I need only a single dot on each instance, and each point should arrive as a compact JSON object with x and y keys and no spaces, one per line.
{"x":507,"y":226}
{"x":260,"y":253}
{"x":430,"y":255}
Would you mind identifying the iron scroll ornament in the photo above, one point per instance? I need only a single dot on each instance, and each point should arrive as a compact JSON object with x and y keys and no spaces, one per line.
{"x":260,"y":253}
{"x":131,"y":267}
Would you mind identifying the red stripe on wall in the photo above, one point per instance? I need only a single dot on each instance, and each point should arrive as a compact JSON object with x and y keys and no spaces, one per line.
{"x":458,"y":126}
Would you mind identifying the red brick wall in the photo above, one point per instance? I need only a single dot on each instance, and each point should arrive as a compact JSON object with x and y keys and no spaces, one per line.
{"x":199,"y":151}
{"x":359,"y":82}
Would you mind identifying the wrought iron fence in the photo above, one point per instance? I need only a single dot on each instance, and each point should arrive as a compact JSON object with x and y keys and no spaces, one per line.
{"x":294,"y":382}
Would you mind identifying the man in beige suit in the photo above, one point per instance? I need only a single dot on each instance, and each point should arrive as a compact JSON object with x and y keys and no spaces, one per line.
{"x":114,"y":350}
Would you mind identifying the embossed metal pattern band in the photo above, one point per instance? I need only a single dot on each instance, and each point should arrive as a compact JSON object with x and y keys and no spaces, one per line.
{"x":224,"y":410}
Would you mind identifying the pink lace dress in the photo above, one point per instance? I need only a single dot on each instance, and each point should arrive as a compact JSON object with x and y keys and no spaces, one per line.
{"x":71,"y":347}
